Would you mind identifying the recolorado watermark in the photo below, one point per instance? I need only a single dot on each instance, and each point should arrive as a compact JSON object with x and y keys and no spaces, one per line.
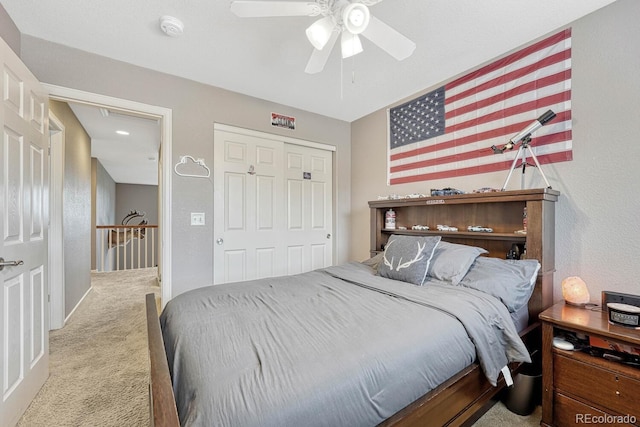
{"x":605,"y":419}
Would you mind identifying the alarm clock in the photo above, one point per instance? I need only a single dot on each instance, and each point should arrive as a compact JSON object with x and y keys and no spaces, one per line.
{"x":624,"y":314}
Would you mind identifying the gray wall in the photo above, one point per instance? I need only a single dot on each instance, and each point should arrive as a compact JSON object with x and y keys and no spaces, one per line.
{"x":9,"y":32}
{"x":143,"y":198}
{"x":76,"y":206}
{"x":597,"y":224}
{"x":196,"y":107}
{"x":104,"y":204}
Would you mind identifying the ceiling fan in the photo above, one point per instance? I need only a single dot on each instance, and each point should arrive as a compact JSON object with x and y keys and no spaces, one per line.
{"x":340,"y":18}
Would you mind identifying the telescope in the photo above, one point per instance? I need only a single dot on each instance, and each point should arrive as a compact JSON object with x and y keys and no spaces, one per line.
{"x":524,"y":136}
{"x":526,"y":132}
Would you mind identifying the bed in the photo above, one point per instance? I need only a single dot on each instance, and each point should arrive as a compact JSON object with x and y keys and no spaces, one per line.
{"x":348,"y":345}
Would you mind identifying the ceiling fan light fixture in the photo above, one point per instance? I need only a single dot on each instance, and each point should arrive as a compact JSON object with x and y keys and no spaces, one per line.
{"x":320,"y":31}
{"x":355,"y":17}
{"x":350,"y":44}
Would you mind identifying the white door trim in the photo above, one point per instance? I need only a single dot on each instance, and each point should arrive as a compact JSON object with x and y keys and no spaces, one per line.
{"x":56,"y":242}
{"x":265,"y":135}
{"x":165,"y":114}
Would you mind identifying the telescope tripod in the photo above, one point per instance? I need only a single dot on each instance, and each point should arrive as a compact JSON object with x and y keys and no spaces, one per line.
{"x":522,"y":152}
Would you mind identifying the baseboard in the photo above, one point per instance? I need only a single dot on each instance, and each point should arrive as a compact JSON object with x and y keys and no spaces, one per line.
{"x":77,"y":305}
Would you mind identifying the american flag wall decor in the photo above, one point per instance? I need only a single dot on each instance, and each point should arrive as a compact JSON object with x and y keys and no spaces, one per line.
{"x":448,"y":132}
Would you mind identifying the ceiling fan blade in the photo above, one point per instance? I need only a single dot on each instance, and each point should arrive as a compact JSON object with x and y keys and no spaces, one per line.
{"x":319,"y":57}
{"x":257,"y":9}
{"x":388,"y":39}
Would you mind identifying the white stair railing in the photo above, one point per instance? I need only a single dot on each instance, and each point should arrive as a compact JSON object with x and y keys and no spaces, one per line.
{"x":125,"y":247}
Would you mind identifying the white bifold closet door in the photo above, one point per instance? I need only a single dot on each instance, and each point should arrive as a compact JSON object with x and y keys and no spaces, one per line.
{"x":272,"y":207}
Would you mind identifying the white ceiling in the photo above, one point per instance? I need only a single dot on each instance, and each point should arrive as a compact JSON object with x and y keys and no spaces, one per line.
{"x":266,"y":57}
{"x":129,"y":159}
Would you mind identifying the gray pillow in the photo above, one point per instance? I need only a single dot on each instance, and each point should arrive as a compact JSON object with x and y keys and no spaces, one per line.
{"x":407,"y":258}
{"x":451,"y":261}
{"x":374,"y":261}
{"x":511,"y":281}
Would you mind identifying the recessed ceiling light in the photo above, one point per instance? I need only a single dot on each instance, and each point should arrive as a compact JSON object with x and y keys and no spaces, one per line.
{"x":122,"y":132}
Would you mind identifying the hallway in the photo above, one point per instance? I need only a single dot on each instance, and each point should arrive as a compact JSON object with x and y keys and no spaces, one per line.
{"x":99,"y":361}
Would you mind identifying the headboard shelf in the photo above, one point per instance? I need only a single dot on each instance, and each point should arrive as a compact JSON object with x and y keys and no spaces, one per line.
{"x":501,"y":211}
{"x":516,"y":238}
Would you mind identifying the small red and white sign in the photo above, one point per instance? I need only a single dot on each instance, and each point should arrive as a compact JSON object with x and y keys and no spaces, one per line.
{"x":282,"y":121}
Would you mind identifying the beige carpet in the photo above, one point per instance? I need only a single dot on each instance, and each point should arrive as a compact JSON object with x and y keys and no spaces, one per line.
{"x":98,"y":361}
{"x":499,"y":416}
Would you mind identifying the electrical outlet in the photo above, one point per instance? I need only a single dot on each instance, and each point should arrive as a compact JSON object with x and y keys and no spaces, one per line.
{"x":197,"y":218}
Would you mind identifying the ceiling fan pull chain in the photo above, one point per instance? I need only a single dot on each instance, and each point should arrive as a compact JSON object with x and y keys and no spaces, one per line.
{"x":353,"y":69}
{"x":341,"y":79}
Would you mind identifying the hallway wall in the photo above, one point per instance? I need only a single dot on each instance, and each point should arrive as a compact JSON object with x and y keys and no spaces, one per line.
{"x":76,"y":206}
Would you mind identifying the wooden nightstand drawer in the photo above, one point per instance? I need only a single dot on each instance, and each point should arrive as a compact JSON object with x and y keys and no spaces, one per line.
{"x":575,"y":382}
{"x":605,"y":388}
{"x":570,"y":412}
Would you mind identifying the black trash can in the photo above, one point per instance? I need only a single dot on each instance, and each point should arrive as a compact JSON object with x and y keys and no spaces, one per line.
{"x":526,"y":392}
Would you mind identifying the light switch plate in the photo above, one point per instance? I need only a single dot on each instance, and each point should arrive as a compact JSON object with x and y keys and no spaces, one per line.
{"x":197,"y":218}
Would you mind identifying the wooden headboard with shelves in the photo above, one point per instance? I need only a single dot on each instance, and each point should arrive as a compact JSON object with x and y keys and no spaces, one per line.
{"x":501,"y":211}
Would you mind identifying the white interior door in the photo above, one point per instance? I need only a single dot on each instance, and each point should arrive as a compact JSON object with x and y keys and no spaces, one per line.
{"x":249,"y":214}
{"x":308,"y":239}
{"x":272,"y":207}
{"x":24,"y":343}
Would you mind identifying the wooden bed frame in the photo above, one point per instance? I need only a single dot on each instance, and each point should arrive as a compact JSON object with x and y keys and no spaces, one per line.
{"x":463,"y":398}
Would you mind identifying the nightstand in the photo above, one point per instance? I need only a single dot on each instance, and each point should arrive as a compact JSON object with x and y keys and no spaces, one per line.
{"x":579,"y":388}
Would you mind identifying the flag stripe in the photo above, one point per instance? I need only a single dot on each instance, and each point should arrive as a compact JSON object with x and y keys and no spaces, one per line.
{"x":547,"y":144}
{"x":485,"y":108}
{"x":491,"y":167}
{"x":511,"y":111}
{"x":511,"y":76}
{"x":538,"y":142}
{"x":494,"y":132}
{"x":526,"y":87}
{"x":536,"y":47}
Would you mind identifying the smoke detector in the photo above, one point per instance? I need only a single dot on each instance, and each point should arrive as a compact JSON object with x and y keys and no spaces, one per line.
{"x":173,"y":27}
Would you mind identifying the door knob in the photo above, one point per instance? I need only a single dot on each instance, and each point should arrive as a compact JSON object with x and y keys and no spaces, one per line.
{"x":329,"y":236}
{"x":4,"y":263}
{"x":219,"y":241}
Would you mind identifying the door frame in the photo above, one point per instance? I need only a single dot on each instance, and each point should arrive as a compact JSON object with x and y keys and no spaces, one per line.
{"x":65,"y":94}
{"x":56,"y":242}
{"x":275,"y":137}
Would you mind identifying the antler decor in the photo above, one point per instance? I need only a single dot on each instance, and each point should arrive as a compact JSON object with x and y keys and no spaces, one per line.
{"x":384,"y":256}
{"x":407,"y":258}
{"x":121,"y":238}
{"x":419,"y":256}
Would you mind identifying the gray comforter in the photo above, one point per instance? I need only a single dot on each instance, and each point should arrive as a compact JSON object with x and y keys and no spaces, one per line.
{"x":333,"y":347}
